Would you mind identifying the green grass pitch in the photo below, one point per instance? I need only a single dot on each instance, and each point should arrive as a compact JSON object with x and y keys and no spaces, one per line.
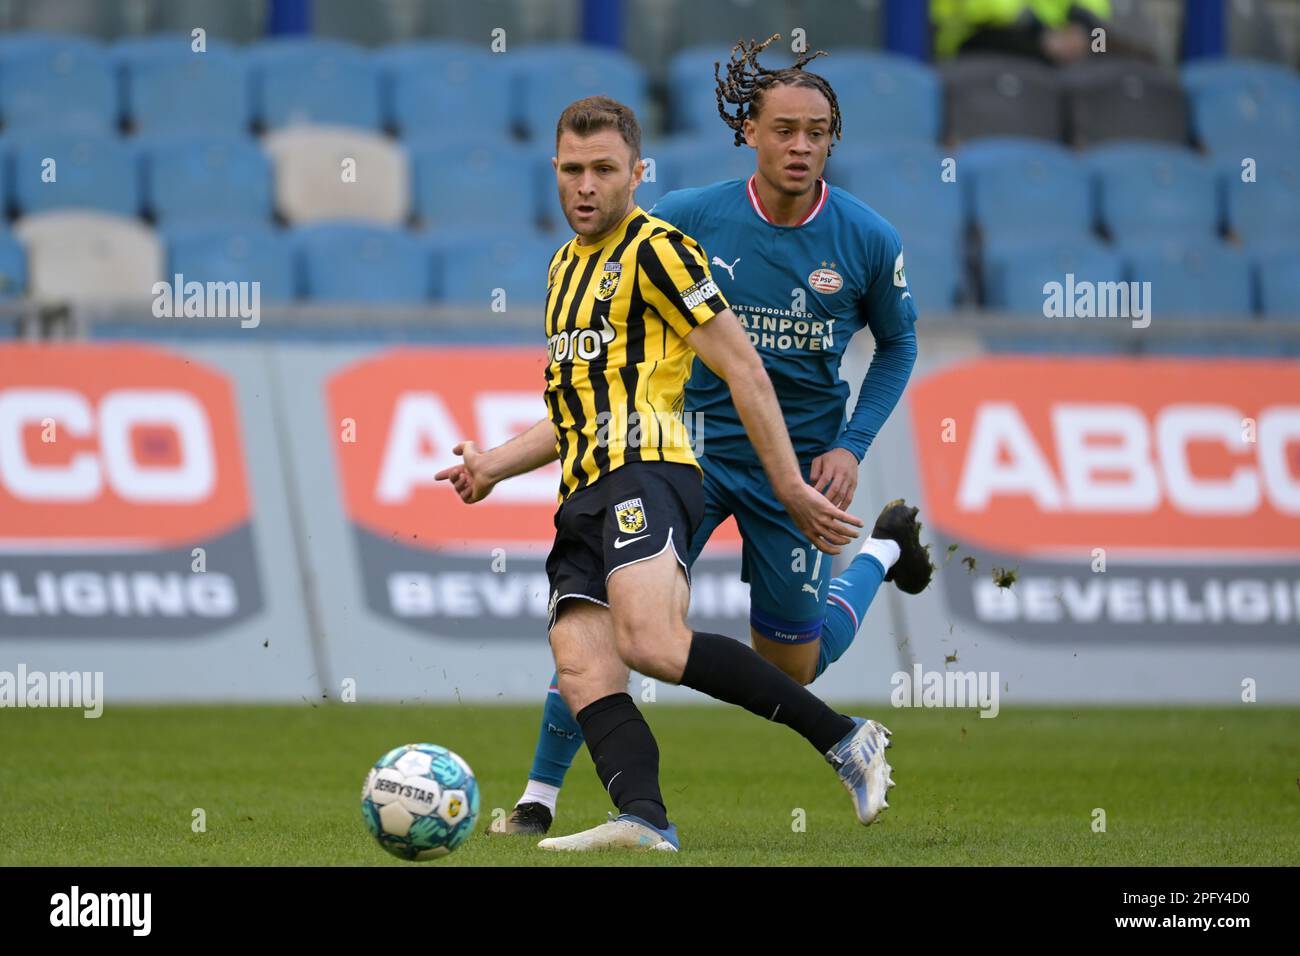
{"x":281,"y":785}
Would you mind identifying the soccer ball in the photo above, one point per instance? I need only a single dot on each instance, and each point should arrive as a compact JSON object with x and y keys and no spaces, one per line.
{"x":420,"y":801}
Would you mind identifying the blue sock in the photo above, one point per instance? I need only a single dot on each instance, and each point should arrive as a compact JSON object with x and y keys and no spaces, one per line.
{"x":847,"y":602}
{"x":558,"y":741}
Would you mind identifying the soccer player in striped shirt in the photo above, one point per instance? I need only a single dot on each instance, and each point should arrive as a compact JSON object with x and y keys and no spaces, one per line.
{"x":782,"y":229}
{"x":630,"y":301}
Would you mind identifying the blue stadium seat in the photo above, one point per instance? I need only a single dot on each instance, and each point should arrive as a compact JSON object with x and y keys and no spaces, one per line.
{"x":314,"y":81}
{"x":1248,"y":121}
{"x":470,"y":266}
{"x":1244,"y":106}
{"x":205,"y":253}
{"x":91,"y":172}
{"x":935,"y":275}
{"x":903,"y":183}
{"x":1191,"y":277}
{"x":648,"y":193}
{"x":686,"y":161}
{"x":1016,"y":271}
{"x":27,"y":40}
{"x":1024,"y":188}
{"x":883,"y":97}
{"x":458,"y":185}
{"x":211,"y":179}
{"x":693,"y":107}
{"x":1242,"y":72}
{"x":549,"y":77}
{"x":355,"y":262}
{"x":7,"y":174}
{"x":546,"y":203}
{"x":168,"y":88}
{"x":1150,"y":190}
{"x":445,"y":89}
{"x":13,"y":267}
{"x":1277,"y":266}
{"x":1269,"y":207}
{"x":52,"y":83}
{"x":692,"y":88}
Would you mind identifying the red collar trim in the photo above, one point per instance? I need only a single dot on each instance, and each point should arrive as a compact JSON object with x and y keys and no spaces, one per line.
{"x":757,"y":203}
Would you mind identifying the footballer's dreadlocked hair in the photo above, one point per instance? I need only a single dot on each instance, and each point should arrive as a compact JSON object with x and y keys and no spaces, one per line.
{"x":746,"y":82}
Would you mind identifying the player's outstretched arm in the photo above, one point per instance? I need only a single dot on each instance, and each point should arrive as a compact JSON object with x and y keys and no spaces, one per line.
{"x":479,"y":471}
{"x":725,"y":348}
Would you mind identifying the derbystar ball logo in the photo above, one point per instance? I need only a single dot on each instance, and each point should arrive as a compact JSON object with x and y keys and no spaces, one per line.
{"x":116,"y":464}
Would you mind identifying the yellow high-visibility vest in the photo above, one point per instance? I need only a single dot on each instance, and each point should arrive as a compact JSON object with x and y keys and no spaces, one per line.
{"x":955,"y":20}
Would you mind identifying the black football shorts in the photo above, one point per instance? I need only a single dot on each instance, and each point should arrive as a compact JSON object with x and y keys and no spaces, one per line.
{"x":631,"y":514}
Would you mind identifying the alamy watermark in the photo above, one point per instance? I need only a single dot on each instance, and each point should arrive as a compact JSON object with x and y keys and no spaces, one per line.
{"x":1084,"y":299}
{"x":129,"y":910}
{"x":82,"y":690}
{"x":620,"y":430}
{"x":922,"y":688}
{"x":208,"y":300}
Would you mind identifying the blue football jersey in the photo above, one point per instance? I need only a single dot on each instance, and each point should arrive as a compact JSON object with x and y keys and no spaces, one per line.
{"x":801,"y":292}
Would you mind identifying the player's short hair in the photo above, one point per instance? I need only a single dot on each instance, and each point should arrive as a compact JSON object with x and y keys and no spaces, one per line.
{"x":594,"y":113}
{"x":745,"y":83}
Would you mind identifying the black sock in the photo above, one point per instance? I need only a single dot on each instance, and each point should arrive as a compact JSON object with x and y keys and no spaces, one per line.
{"x":731,"y":672}
{"x":626,"y":756}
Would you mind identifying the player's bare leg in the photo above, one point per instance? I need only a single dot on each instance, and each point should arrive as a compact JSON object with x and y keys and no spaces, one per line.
{"x":587,"y":667}
{"x":593,"y":682}
{"x":586,"y":661}
{"x":649,"y":601}
{"x":797,"y":660}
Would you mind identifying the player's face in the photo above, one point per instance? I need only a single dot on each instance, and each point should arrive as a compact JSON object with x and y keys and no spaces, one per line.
{"x":792,"y":137}
{"x":597,"y":176}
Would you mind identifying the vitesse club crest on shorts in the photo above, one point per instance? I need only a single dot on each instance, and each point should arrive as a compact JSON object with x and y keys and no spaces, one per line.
{"x":608,"y":282}
{"x":630,"y":516}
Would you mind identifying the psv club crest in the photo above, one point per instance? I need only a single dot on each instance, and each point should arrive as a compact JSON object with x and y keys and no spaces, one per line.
{"x":630,"y":516}
{"x":826,"y":280}
{"x":607,"y":285}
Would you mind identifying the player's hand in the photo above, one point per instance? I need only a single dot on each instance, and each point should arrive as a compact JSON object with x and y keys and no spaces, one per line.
{"x":825,"y":525}
{"x":835,"y":474}
{"x":470,"y":478}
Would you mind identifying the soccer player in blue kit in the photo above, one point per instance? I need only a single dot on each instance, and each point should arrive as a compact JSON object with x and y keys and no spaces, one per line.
{"x":805,"y":265}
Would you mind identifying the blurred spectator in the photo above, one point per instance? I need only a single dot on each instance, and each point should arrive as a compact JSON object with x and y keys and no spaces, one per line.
{"x":1053,"y":31}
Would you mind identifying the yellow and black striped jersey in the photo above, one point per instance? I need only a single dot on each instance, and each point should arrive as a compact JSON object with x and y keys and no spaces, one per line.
{"x":616,"y":317}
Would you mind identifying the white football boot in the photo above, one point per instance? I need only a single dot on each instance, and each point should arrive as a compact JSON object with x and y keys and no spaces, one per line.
{"x":625,"y":832}
{"x":859,"y":759}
